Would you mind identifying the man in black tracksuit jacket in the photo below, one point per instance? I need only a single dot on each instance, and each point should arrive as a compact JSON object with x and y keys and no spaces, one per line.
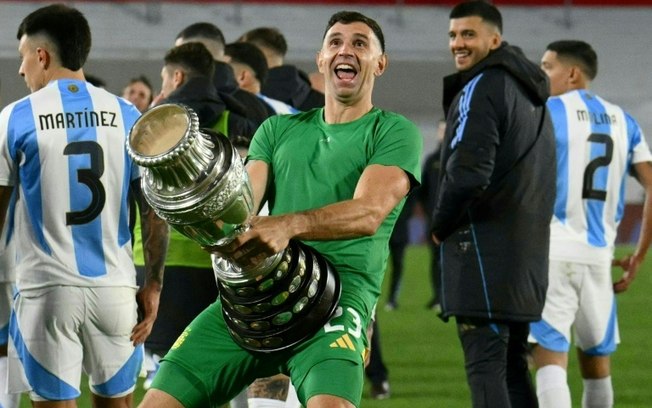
{"x":494,"y":206}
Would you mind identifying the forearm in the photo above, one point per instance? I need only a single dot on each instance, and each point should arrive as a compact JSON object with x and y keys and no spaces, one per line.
{"x":344,"y":220}
{"x":645,"y":236}
{"x":154,"y":234}
{"x":644,"y":176}
{"x":155,"y":244}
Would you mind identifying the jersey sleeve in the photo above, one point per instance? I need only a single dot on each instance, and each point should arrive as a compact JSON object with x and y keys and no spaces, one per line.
{"x":261,"y":147}
{"x":400,"y":144}
{"x":7,"y":165}
{"x":638,"y":145}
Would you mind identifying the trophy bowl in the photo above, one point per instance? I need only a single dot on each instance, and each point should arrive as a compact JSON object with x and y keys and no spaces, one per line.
{"x":195,"y":180}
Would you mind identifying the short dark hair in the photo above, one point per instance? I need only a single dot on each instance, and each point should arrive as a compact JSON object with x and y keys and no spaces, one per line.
{"x":143,"y":79}
{"x":203,"y":30}
{"x":348,"y":17}
{"x":486,"y":11}
{"x":250,"y":55}
{"x":268,"y":37}
{"x":579,"y":52}
{"x":66,"y":28}
{"x":192,"y":57}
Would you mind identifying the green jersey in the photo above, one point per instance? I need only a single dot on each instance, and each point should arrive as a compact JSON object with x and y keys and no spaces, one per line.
{"x":313,"y":164}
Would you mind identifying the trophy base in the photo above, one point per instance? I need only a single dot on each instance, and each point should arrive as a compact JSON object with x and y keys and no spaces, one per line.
{"x":288,"y":305}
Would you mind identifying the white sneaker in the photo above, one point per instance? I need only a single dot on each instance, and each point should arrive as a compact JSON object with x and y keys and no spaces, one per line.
{"x":151,"y":372}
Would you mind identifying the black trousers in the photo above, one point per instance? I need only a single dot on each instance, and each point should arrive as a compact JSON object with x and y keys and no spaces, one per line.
{"x":376,"y":371}
{"x":397,"y":251}
{"x":495,"y":356}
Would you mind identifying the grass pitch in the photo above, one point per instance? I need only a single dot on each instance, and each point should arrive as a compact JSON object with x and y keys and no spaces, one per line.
{"x":425,"y":360}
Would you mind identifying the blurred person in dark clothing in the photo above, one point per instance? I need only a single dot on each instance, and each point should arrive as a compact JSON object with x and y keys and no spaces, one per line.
{"x":426,"y":195}
{"x":398,"y":242}
{"x":250,"y":68}
{"x":187,"y":77}
{"x":284,"y":82}
{"x":237,"y":100}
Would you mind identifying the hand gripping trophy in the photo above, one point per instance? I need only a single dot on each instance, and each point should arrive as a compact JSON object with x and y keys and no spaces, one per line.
{"x":196,"y":181}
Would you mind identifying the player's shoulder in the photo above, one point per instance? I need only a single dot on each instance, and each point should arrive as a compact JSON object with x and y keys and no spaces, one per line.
{"x":395,"y":120}
{"x":18,"y":111}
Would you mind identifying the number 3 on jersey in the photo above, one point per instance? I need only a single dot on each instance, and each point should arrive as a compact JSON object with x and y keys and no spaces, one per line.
{"x":588,"y":189}
{"x":89,"y":176}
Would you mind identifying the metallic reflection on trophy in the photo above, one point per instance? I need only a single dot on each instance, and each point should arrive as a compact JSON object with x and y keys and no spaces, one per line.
{"x":196,"y":181}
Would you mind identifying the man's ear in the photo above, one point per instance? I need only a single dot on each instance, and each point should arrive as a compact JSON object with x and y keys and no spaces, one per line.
{"x":246,"y":76}
{"x":319,"y":62}
{"x":44,"y":57}
{"x":179,"y":78}
{"x":575,"y":74}
{"x":381,"y":65}
{"x":496,"y":40}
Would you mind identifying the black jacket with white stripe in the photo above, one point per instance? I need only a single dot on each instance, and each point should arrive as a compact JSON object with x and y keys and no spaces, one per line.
{"x":497,"y":189}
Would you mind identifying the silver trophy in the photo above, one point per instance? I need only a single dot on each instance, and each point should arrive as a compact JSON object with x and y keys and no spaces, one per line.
{"x":195,"y":180}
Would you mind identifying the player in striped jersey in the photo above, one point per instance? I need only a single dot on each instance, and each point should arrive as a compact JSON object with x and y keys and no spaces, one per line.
{"x":597,"y":145}
{"x":64,"y":177}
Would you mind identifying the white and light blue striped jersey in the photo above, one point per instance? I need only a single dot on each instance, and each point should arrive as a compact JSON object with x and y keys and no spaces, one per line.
{"x":63,"y":150}
{"x":280,"y":107}
{"x":597,"y":144}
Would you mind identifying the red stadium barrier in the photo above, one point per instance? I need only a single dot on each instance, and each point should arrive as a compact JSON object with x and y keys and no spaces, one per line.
{"x":537,"y":3}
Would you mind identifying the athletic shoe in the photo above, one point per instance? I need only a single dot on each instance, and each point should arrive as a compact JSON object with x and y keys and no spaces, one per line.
{"x":380,"y":391}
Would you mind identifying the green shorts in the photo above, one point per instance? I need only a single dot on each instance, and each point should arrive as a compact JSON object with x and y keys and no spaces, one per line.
{"x":205,"y":367}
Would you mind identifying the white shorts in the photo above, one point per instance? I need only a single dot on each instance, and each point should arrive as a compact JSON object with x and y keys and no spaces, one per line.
{"x":580,"y":296}
{"x":56,"y":332}
{"x":6,"y":300}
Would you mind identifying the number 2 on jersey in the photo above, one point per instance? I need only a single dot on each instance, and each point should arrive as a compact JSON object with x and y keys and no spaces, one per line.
{"x":588,"y":189}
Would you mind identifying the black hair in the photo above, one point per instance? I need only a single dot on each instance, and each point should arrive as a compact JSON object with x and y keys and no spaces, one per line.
{"x":267,"y":37}
{"x":348,"y":17}
{"x":203,"y":30}
{"x":144,"y":80}
{"x":192,"y":57}
{"x":579,"y":52}
{"x":66,"y":28}
{"x":486,"y":11}
{"x":250,"y":55}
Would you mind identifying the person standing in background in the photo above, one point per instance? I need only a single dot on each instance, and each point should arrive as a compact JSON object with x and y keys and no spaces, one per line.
{"x":598,"y":144}
{"x":250,"y":68}
{"x":398,"y":242}
{"x":426,"y":196}
{"x":285,"y":82}
{"x":237,"y":100}
{"x":139,"y":91}
{"x":495,"y":202}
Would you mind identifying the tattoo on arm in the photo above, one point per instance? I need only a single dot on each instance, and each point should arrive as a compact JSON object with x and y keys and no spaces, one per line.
{"x":270,"y":387}
{"x":154,"y":235}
